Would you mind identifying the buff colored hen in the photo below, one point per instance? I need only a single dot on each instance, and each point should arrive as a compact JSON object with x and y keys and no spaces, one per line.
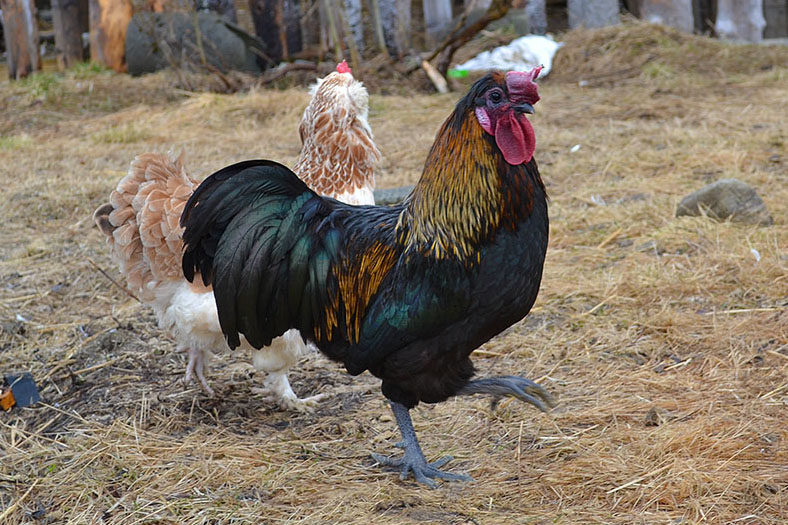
{"x":338,"y":159}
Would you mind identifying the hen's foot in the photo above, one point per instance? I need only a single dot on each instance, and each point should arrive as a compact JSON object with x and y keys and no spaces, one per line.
{"x":304,"y":405}
{"x":413,"y":462}
{"x":519,"y":387}
{"x":279,"y":391}
{"x":195,"y":367}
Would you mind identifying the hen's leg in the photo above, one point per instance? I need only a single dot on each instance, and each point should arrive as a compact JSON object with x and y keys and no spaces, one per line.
{"x":519,"y":387}
{"x":195,"y":367}
{"x":277,"y":360}
{"x":413,"y":461}
{"x":283,"y":394}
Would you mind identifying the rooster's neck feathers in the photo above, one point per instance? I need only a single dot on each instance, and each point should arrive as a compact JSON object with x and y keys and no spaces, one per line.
{"x":457,"y":202}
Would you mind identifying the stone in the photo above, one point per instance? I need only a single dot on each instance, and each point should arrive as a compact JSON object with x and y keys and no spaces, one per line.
{"x":726,"y":199}
{"x":159,"y":40}
{"x":391,"y":196}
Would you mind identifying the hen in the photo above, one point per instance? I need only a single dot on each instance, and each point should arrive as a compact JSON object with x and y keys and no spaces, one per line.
{"x":405,"y":292}
{"x":338,"y":159}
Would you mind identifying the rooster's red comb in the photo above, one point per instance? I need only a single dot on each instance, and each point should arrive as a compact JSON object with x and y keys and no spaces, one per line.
{"x":521,"y":84}
{"x":342,"y":67}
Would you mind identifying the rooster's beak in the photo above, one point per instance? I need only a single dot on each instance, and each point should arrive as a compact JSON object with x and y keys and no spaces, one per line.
{"x":523,"y":108}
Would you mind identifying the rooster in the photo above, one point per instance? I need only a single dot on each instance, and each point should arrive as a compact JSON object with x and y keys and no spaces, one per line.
{"x":405,"y":292}
{"x":338,"y":159}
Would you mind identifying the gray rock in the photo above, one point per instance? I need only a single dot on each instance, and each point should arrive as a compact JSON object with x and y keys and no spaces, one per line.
{"x":158,"y":40}
{"x":726,"y":199}
{"x":391,"y":196}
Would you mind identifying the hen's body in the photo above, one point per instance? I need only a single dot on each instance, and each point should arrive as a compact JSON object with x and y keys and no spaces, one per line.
{"x":141,"y":224}
{"x":406,"y":292}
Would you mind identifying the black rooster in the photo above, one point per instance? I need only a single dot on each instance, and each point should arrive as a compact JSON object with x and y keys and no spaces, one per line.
{"x":406,"y":292}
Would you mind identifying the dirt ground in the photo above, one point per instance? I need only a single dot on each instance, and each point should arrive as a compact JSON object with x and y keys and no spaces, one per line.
{"x":665,"y":339}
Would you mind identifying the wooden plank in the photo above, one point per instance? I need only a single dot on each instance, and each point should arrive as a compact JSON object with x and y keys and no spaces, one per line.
{"x":108,"y":22}
{"x":20,"y":30}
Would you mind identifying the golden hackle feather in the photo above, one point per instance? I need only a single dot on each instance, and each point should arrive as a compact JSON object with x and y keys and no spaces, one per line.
{"x":457,"y":202}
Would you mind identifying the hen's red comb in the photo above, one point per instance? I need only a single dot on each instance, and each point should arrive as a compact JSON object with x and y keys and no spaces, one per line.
{"x":342,"y":67}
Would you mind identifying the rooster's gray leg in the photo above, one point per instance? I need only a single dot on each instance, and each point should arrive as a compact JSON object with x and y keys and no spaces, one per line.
{"x":519,"y":387}
{"x":413,"y":461}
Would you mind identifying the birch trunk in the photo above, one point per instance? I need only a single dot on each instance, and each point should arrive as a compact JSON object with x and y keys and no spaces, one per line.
{"x":437,"y":19}
{"x":20,"y":30}
{"x":395,"y":21}
{"x":740,"y":20}
{"x":592,"y":13}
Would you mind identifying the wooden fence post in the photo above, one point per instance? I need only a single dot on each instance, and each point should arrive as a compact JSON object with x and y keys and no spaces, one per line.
{"x":68,"y":32}
{"x":20,"y":30}
{"x":109,"y":20}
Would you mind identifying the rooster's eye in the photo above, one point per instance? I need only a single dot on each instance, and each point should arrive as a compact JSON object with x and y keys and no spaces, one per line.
{"x":495,"y":97}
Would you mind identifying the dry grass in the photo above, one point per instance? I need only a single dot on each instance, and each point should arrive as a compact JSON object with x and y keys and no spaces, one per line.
{"x":665,"y":339}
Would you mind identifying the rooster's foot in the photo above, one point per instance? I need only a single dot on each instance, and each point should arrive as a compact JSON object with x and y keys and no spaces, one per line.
{"x":195,"y":367}
{"x":423,"y":472}
{"x":413,"y":462}
{"x":519,"y":387}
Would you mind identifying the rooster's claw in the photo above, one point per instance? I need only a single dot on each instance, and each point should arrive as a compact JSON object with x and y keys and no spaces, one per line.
{"x":516,"y":386}
{"x":422,"y":470}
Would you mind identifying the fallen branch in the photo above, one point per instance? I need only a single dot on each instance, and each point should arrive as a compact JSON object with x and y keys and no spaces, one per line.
{"x":497,"y":10}
{"x":280,"y":72}
{"x":435,"y":77}
{"x":113,"y":281}
{"x":459,"y":36}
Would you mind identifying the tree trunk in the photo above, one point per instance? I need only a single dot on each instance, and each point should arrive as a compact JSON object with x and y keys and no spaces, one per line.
{"x":536,"y":13}
{"x":68,"y":32}
{"x":277,"y":23}
{"x":109,"y":20}
{"x":437,"y":19}
{"x":740,"y":20}
{"x":673,"y":13}
{"x":592,"y":13}
{"x":355,"y":24}
{"x":310,"y":23}
{"x":20,"y":30}
{"x":395,"y":23}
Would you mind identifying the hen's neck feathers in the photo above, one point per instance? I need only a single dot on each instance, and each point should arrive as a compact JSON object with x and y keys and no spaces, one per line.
{"x":459,"y":200}
{"x":338,"y":154}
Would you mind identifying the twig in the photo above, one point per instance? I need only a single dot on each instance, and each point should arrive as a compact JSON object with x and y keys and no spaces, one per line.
{"x":610,"y":238}
{"x":282,"y":71}
{"x":113,"y":281}
{"x":638,"y":480}
{"x":7,"y":512}
{"x":355,"y":56}
{"x":334,"y":31}
{"x":458,"y":38}
{"x":747,"y":310}
{"x":379,"y":29}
